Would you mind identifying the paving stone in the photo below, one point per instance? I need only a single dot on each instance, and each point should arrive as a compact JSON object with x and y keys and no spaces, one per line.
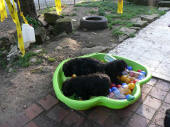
{"x":44,"y":121}
{"x":112,"y":121}
{"x":142,"y":98}
{"x":146,"y":88}
{"x":138,"y":121}
{"x":157,"y":93}
{"x":146,"y":111}
{"x":122,"y":38}
{"x":99,"y":115}
{"x":123,"y":116}
{"x":31,"y":124}
{"x":127,"y":31}
{"x":4,"y":125}
{"x":164,"y":107}
{"x":33,"y":111}
{"x":164,"y":8}
{"x":133,"y":107}
{"x":73,"y":119}
{"x":152,"y":82}
{"x":137,"y":22}
{"x":57,"y":114}
{"x":48,"y":102}
{"x":18,"y":121}
{"x":154,"y":125}
{"x":149,"y":18}
{"x":165,"y":86}
{"x":159,"y":118}
{"x":167,"y":98}
{"x":117,"y":118}
{"x":152,"y":102}
{"x":88,"y":123}
{"x":136,"y":28}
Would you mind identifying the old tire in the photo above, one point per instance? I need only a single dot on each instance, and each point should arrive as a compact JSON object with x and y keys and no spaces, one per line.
{"x":93,"y":22}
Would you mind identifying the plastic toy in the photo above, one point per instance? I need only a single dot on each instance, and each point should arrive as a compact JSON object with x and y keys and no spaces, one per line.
{"x":117,"y":93}
{"x":125,"y":90}
{"x":73,"y":76}
{"x":59,"y":78}
{"x":125,"y":78}
{"x":129,"y":68}
{"x":129,"y":97}
{"x":131,"y":86}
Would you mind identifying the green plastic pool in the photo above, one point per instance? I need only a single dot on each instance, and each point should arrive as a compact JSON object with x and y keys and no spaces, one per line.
{"x":59,"y":78}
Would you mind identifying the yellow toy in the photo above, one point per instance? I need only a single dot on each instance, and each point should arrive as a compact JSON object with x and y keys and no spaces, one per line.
{"x":120,"y":7}
{"x":74,"y":75}
{"x":125,"y":90}
{"x":131,"y":86}
{"x":125,"y":78}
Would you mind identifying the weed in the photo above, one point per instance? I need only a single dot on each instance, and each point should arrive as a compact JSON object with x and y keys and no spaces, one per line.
{"x":35,"y":23}
{"x":24,"y":61}
{"x":92,"y":12}
{"x":110,"y":26}
{"x":132,"y":35}
{"x":73,"y":14}
{"x":117,"y":32}
{"x":47,"y":10}
{"x":3,"y":61}
{"x":101,"y":12}
{"x":75,"y":9}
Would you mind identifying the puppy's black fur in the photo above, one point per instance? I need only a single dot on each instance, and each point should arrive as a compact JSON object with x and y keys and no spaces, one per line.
{"x":87,"y":86}
{"x":167,"y":118}
{"x":85,"y":66}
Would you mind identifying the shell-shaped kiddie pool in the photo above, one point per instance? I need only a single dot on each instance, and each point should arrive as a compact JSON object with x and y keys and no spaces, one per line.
{"x":59,"y":78}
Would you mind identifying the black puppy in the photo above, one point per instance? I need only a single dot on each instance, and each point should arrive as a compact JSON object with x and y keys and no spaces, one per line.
{"x":86,"y":86}
{"x":167,"y":118}
{"x":85,"y":66}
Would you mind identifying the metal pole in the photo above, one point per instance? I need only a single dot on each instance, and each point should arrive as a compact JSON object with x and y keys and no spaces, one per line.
{"x":39,"y":4}
{"x":46,"y":3}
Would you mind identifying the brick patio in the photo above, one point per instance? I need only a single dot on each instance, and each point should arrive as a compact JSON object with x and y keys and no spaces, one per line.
{"x":148,"y":111}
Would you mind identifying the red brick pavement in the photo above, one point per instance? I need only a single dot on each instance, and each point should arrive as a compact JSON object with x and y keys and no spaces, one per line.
{"x":148,"y":111}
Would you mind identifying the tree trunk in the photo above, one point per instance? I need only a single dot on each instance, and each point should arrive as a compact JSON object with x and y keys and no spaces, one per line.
{"x":28,"y":8}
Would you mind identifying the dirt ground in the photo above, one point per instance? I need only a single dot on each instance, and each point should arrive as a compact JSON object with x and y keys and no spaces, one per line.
{"x":26,"y":85}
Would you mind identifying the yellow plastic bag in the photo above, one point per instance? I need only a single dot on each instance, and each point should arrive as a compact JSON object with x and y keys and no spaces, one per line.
{"x":120,"y":7}
{"x":14,"y":15}
{"x":3,"y":13}
{"x":21,"y":13}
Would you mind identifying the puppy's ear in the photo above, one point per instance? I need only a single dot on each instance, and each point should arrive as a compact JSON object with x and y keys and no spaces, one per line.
{"x":67,"y":88}
{"x":121,"y":64}
{"x":66,"y":70}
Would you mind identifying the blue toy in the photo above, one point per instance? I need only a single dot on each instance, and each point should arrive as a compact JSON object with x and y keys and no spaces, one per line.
{"x":129,"y":68}
{"x":129,"y":97}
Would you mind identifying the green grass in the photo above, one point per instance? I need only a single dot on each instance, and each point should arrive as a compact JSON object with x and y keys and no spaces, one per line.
{"x":3,"y":61}
{"x":123,"y":20}
{"x":117,"y":32}
{"x":47,"y":10}
{"x":92,"y":12}
{"x":132,"y":35}
{"x":73,"y":14}
{"x":25,"y":61}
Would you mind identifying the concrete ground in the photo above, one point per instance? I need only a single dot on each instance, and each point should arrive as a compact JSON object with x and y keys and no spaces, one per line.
{"x":151,"y":47}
